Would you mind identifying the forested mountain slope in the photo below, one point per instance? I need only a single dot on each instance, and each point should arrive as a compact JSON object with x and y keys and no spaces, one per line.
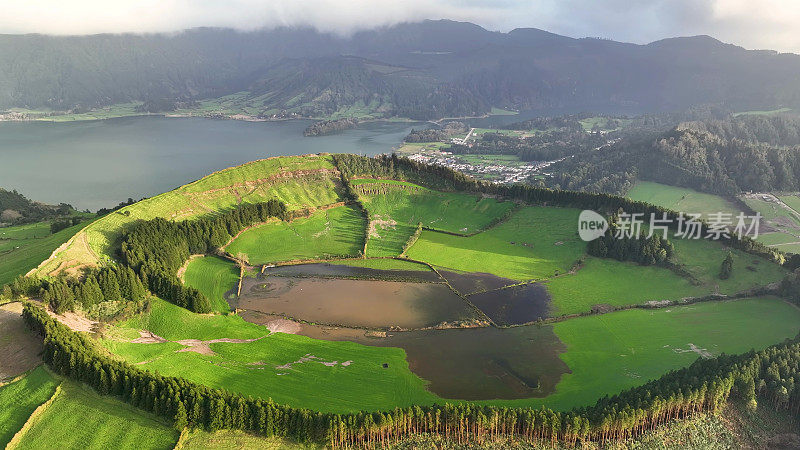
{"x":726,"y":157}
{"x":422,"y":70}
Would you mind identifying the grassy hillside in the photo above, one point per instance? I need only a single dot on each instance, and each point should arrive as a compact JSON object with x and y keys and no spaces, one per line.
{"x":301,"y":182}
{"x":19,"y":399}
{"x":81,"y":418}
{"x":334,"y":232}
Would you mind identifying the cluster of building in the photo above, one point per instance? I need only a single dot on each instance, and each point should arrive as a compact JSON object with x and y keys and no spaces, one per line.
{"x":498,"y":172}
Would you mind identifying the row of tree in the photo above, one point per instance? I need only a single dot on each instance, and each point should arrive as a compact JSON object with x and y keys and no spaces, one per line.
{"x":157,"y":248}
{"x":773,"y":374}
{"x":95,"y":286}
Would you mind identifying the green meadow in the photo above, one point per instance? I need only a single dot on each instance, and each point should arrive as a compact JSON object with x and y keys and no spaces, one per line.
{"x":793,"y":201}
{"x":776,"y":214}
{"x":213,"y":276}
{"x":259,"y":367}
{"x":534,"y":243}
{"x":19,"y":399}
{"x":330,"y":233}
{"x":608,"y":281}
{"x":611,"y":352}
{"x":24,"y":247}
{"x":383,"y":264}
{"x":681,"y":199}
{"x":397,"y":207}
{"x":81,"y":418}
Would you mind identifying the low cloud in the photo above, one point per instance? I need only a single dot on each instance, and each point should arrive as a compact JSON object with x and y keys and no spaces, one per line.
{"x":763,"y":24}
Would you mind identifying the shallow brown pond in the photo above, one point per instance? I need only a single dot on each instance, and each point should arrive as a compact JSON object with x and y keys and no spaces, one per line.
{"x":326,"y":270}
{"x":514,"y":305}
{"x":354,"y":303}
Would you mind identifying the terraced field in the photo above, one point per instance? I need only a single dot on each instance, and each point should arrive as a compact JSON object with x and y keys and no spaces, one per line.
{"x":396,"y":208}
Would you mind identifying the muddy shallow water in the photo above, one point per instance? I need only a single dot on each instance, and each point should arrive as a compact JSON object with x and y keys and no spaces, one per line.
{"x":467,"y":364}
{"x":354,"y":303}
{"x":326,"y":270}
{"x":514,"y":305}
{"x":471,"y":282}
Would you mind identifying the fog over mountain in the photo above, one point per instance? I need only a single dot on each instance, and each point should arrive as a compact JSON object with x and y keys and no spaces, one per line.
{"x":423,"y":70}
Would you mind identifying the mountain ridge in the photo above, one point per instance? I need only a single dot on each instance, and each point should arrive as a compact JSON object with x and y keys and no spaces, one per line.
{"x":448,"y":69}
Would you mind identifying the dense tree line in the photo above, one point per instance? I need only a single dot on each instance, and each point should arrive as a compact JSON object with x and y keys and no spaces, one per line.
{"x":157,"y":248}
{"x":95,"y":286}
{"x":648,"y":251}
{"x":545,"y":146}
{"x":15,"y":208}
{"x":330,"y":126}
{"x":62,"y":224}
{"x":441,"y":134}
{"x":772,"y":375}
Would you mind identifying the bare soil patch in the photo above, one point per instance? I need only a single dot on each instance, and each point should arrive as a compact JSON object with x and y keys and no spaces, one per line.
{"x":203,"y":347}
{"x":148,"y":337}
{"x":75,"y":322}
{"x":19,"y":346}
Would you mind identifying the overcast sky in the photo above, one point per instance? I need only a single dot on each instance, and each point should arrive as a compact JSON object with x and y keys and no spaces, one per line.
{"x":761,"y":24}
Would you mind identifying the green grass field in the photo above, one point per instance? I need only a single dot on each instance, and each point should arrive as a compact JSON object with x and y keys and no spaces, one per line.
{"x":793,"y":201}
{"x":333,"y":232}
{"x":607,"y":281}
{"x":774,"y":213}
{"x":81,"y":418}
{"x":234,"y":439}
{"x":213,"y":276}
{"x":534,"y":243}
{"x":27,"y":246}
{"x":777,"y":238}
{"x":251,"y":368}
{"x":703,"y":259}
{"x":396,"y":207}
{"x":611,"y":352}
{"x":681,"y":199}
{"x":19,"y":399}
